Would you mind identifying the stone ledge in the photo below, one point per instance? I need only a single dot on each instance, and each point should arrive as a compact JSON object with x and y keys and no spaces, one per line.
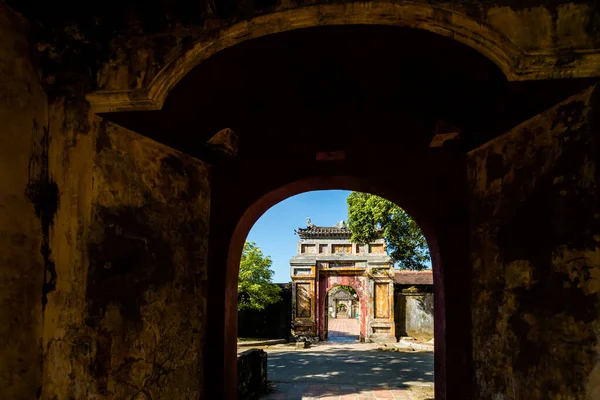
{"x":262,"y":343}
{"x":409,"y":344}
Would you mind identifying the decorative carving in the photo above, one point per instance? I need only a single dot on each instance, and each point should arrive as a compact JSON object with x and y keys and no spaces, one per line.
{"x":382,"y":300}
{"x":307,"y":249}
{"x":341,"y":248}
{"x":302,"y":271}
{"x":303,"y":300}
{"x":377,"y":248}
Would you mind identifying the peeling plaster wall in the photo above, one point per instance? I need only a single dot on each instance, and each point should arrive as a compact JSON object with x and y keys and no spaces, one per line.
{"x":419,"y":316}
{"x":535,"y":212}
{"x":23,"y":171}
{"x":532,"y":27}
{"x":533,"y":39}
{"x":133,"y":54}
{"x":126,"y":315}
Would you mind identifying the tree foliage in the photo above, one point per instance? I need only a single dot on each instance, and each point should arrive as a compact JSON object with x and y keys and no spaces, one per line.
{"x":255,"y":289}
{"x":405,"y":242}
{"x":347,"y":289}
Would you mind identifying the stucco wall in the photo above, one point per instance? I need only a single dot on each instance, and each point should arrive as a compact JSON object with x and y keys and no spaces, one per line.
{"x":522,"y":39}
{"x":535,"y":243}
{"x":126,"y":310}
{"x":419,"y":316}
{"x":23,"y":165}
{"x":535,"y":40}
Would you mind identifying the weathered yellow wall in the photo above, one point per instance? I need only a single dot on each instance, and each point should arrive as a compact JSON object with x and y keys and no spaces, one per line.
{"x":66,"y":343}
{"x":129,"y":245}
{"x":535,"y":210}
{"x":23,"y":113}
{"x":527,"y":40}
{"x":104,"y":237}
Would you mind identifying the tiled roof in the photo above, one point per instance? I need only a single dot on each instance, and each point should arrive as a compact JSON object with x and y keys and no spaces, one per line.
{"x":324,"y":231}
{"x":414,"y":277}
{"x":314,"y":232}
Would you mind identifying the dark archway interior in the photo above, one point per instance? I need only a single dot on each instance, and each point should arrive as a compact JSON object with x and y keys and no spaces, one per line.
{"x":376,"y":93}
{"x":315,"y":88}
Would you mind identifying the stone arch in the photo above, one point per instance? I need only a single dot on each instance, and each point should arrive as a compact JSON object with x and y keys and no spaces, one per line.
{"x":511,"y":60}
{"x":271,"y":198}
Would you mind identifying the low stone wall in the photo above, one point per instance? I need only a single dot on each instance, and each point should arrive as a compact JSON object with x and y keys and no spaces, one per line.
{"x":414,"y":312}
{"x":419,"y":315}
{"x":252,"y":372}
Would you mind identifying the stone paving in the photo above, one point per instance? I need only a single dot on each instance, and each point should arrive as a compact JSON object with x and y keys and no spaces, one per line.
{"x":356,"y":371}
{"x":343,"y":329}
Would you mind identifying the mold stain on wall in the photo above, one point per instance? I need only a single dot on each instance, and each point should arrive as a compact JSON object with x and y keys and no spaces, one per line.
{"x":43,"y":193}
{"x":146,"y":279}
{"x":127,"y":318}
{"x":536,"y":231}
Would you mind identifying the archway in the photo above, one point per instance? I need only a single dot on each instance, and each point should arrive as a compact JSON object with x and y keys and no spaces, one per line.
{"x":383,"y":151}
{"x":440,"y":246}
{"x":512,"y":60}
{"x":344,"y":312}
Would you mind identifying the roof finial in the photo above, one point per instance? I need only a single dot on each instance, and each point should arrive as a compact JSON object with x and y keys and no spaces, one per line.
{"x":341,"y":225}
{"x":309,"y":224}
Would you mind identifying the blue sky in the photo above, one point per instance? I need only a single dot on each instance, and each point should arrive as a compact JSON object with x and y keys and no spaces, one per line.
{"x":274,"y":231}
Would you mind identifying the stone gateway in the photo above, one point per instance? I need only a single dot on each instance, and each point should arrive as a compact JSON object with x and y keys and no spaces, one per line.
{"x":327,"y":259}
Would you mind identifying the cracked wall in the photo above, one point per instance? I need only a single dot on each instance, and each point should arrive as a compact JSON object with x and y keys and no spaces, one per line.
{"x":535,"y":212}
{"x":125,"y":317}
{"x":24,"y":221}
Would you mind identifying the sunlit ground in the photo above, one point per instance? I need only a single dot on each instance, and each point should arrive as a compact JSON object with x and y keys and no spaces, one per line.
{"x":349,"y":371}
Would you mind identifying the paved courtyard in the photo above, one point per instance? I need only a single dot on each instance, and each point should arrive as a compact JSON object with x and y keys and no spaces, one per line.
{"x":343,"y":329}
{"x":349,"y":371}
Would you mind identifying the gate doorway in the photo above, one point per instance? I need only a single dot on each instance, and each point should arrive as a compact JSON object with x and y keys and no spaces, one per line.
{"x":343,"y":315}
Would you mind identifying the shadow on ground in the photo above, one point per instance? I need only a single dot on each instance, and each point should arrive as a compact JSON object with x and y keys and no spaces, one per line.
{"x":333,"y":365}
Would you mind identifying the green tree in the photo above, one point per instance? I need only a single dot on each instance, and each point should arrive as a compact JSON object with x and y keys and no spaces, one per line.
{"x":255,"y":289}
{"x":405,"y":242}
